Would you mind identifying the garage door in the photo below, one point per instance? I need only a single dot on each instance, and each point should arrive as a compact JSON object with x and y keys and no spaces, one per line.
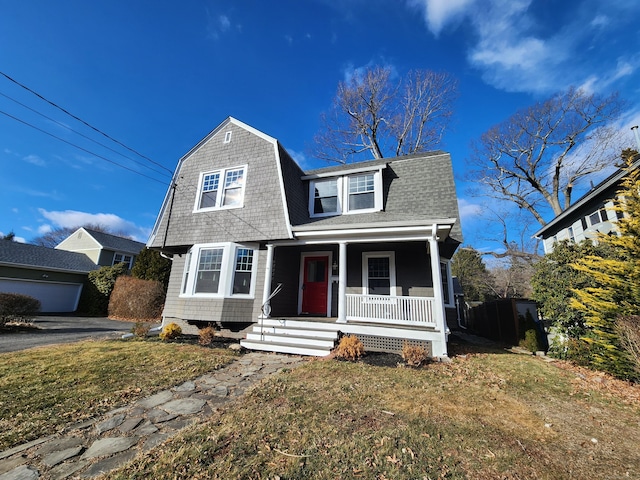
{"x":55,"y":297}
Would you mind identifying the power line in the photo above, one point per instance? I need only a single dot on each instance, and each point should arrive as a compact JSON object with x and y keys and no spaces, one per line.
{"x":81,"y":134}
{"x":82,"y":148}
{"x":53,"y":104}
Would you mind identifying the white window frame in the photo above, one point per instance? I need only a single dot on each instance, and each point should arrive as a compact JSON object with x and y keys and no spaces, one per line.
{"x":221,"y":189}
{"x":122,"y":256}
{"x":343,"y":183}
{"x":227,"y":271}
{"x":392,"y":270}
{"x":448,"y":283}
{"x":227,"y":137}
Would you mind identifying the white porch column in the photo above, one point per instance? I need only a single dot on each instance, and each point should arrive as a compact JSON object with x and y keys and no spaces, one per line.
{"x":342,"y":283}
{"x":268,"y":273}
{"x":439,"y":348}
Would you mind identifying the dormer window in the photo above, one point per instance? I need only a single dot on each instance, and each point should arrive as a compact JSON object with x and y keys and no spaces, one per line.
{"x":221,"y":189}
{"x":325,"y":197}
{"x":356,"y":193}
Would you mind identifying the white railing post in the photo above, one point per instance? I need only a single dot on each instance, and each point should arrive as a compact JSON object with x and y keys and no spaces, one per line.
{"x":342,"y":283}
{"x":266,"y":292}
{"x":441,"y":322}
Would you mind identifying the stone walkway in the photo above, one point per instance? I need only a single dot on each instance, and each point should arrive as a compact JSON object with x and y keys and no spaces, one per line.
{"x":99,"y":445}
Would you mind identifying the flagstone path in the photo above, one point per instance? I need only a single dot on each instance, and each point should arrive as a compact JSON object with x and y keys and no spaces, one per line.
{"x":96,"y":446}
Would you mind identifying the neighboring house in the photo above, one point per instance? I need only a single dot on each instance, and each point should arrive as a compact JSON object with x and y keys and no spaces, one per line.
{"x":593,"y":213}
{"x":361,"y":248}
{"x":55,"y":277}
{"x":103,"y":248}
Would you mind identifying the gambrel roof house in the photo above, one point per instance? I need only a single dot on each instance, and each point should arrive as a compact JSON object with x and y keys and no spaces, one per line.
{"x":593,"y":213}
{"x":360,"y":249}
{"x":54,"y":277}
{"x":103,"y":248}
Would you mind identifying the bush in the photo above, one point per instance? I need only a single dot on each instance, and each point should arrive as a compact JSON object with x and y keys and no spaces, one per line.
{"x":150,"y":265}
{"x":15,"y":307}
{"x":629,"y":332}
{"x":349,"y":348}
{"x":414,"y":355}
{"x":141,"y":329}
{"x":170,"y":332}
{"x":532,"y":339}
{"x":136,"y":299}
{"x":97,"y":289}
{"x":207,"y":335}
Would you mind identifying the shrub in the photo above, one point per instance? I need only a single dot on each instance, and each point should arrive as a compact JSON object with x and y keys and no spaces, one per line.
{"x":170,"y":332}
{"x":207,"y":335}
{"x":97,"y":289}
{"x":532,"y":339}
{"x":349,"y":348}
{"x":150,"y":265}
{"x":629,"y":331}
{"x":136,"y":299}
{"x":15,"y":307}
{"x":140,"y":329}
{"x":415,"y":355}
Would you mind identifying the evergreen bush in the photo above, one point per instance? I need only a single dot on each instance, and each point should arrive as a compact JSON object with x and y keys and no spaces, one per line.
{"x":97,"y":289}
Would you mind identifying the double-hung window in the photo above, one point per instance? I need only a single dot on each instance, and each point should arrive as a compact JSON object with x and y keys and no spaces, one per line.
{"x":122,"y":258}
{"x":221,"y":189}
{"x":220,"y":270}
{"x":325,"y":197}
{"x":209,"y":268}
{"x":361,"y":192}
{"x":378,"y":273}
{"x":357,"y":192}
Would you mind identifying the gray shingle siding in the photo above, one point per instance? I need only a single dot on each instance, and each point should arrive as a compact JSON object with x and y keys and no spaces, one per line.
{"x":262,"y":215}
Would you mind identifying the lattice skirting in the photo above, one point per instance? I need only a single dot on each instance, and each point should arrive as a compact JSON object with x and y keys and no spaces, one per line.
{"x":375,"y":343}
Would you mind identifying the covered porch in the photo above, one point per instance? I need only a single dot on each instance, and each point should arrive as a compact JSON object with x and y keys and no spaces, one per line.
{"x":387,"y":285}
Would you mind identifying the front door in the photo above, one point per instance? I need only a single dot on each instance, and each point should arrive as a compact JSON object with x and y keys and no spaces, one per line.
{"x":315,"y":282}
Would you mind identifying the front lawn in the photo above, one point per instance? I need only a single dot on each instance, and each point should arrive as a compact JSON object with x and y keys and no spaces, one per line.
{"x":487,"y":415}
{"x":44,"y":389}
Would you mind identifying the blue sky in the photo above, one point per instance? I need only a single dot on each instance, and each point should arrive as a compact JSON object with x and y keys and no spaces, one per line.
{"x":159,"y":75}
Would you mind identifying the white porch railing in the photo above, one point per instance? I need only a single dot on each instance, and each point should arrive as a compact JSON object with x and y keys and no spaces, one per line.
{"x":418,"y":311}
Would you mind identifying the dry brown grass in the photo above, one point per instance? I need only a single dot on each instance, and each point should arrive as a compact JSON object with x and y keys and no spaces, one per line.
{"x":486,"y":415}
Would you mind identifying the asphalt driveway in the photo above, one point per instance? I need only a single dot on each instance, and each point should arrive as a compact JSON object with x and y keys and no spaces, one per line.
{"x":59,"y":329}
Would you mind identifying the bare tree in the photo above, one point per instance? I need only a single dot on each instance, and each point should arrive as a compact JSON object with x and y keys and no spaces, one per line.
{"x":375,"y":116}
{"x":535,"y":157}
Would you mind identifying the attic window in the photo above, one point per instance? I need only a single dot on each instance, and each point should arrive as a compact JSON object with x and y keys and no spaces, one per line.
{"x":227,"y":137}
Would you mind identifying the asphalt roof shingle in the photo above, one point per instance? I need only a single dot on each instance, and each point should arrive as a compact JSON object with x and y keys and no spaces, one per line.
{"x":25,"y":255}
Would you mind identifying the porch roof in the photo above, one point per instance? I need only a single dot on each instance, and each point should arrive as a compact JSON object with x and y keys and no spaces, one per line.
{"x":398,"y":230}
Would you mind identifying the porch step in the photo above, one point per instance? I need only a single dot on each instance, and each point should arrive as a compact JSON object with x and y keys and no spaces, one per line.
{"x":284,"y":348}
{"x":292,"y":336}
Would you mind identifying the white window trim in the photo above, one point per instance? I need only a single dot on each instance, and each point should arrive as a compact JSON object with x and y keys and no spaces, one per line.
{"x":447,"y":265}
{"x":392,"y":270}
{"x":227,"y":137}
{"x":343,"y":194}
{"x":223,"y":174}
{"x":227,"y":271}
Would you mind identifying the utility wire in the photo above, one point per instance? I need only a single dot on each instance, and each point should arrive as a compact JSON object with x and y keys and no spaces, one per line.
{"x":82,"y":148}
{"x":81,"y":134}
{"x":53,"y":104}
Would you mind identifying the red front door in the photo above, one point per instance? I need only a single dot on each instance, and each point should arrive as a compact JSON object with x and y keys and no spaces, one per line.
{"x":315,"y":282}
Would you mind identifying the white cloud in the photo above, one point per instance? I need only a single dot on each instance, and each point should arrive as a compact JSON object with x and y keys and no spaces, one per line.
{"x":300,"y":158}
{"x":518,"y":49}
{"x":439,"y":13}
{"x":34,"y":160}
{"x":224,"y":23}
{"x":468,"y":210}
{"x":73,"y":218}
{"x":46,"y":228}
